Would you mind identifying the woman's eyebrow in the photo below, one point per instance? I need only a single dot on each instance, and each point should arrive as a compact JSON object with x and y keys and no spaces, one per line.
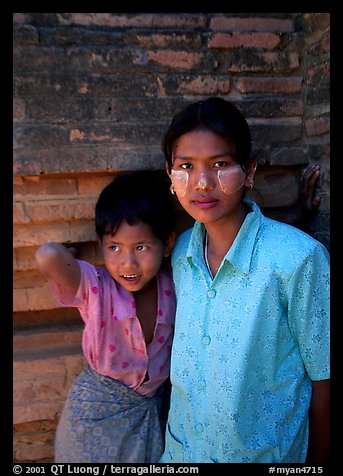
{"x":212,"y":157}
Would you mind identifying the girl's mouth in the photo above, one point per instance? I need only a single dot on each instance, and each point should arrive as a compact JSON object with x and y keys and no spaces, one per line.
{"x":131,"y":278}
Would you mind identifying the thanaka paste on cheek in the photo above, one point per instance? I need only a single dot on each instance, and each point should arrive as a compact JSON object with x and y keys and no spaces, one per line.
{"x":231,"y":179}
{"x":179,"y":180}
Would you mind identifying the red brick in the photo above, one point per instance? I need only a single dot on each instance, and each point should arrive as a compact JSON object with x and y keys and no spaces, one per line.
{"x":281,"y":85}
{"x":82,"y":231}
{"x":37,"y":234}
{"x":251,"y":24}
{"x":39,"y":375}
{"x":41,"y":299}
{"x":34,"y":452}
{"x":248,"y":40}
{"x":34,"y":339}
{"x":205,"y":85}
{"x":18,"y":109}
{"x":20,"y":300}
{"x":85,"y":210}
{"x":140,"y":20}
{"x":44,"y":186}
{"x":62,"y":210}
{"x":175,"y":59}
{"x":19,"y":213}
{"x":93,"y":184}
{"x":317,"y":126}
{"x":277,"y":188}
{"x":76,"y":134}
{"x":169,"y":40}
{"x":28,"y":279}
{"x":24,"y":259}
{"x":275,"y":62}
{"x":292,"y":59}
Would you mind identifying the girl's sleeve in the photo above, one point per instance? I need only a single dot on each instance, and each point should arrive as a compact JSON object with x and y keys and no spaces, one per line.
{"x":309,"y":312}
{"x":88,"y":281}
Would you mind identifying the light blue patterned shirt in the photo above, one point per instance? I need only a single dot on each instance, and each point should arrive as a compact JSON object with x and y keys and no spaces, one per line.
{"x":247,"y":345}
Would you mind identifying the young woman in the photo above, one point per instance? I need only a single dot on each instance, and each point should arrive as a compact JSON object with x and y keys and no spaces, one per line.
{"x":250,"y":360}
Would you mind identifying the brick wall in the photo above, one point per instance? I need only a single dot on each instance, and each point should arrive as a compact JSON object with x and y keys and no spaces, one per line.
{"x":93,"y":93}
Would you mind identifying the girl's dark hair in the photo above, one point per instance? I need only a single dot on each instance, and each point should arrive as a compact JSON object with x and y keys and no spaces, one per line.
{"x":134,"y":197}
{"x":216,"y":114}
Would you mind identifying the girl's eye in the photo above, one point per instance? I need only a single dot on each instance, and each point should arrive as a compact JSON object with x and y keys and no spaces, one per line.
{"x":114,"y":248}
{"x":141,"y":248}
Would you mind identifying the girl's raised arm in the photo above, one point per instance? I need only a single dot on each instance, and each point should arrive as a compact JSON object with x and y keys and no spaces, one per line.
{"x":58,"y":263}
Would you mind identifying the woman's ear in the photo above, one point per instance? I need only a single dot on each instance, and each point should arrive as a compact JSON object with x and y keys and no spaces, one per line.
{"x":249,"y":179}
{"x":167,"y":170}
{"x":169,"y":244}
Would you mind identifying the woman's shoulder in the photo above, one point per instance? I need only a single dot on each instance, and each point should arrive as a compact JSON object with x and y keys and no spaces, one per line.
{"x":183,"y":239}
{"x":285,"y":239}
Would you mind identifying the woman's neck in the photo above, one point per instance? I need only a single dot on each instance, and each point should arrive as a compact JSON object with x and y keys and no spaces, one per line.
{"x":221,"y":236}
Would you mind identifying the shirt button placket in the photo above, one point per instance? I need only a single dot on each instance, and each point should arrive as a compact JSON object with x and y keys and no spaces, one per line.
{"x":199,"y":428}
{"x":206,"y":340}
{"x":211,"y":293}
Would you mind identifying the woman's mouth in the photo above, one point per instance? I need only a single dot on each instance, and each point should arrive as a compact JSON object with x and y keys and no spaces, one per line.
{"x":205,"y":203}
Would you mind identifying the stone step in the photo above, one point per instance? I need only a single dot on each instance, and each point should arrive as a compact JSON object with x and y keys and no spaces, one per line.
{"x":41,"y":338}
{"x":42,"y":378}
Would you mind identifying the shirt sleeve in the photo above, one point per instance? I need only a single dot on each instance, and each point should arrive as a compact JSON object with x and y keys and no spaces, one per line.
{"x":89,"y":283}
{"x":309,"y":312}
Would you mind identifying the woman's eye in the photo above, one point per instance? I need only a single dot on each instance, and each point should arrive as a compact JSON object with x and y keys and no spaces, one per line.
{"x":221,"y":164}
{"x":185,"y":166}
{"x":226,"y":165}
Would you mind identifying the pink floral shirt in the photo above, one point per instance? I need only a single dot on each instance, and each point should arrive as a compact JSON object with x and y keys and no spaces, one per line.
{"x":113,"y":342}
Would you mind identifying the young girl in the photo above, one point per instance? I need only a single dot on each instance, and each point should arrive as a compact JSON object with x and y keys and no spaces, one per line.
{"x":250,"y":360}
{"x":113,"y":409}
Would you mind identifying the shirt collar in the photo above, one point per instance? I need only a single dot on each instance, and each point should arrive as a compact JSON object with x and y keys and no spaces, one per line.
{"x":126,"y":306}
{"x":240,"y":253}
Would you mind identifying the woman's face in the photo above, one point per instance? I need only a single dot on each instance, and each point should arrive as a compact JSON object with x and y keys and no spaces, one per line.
{"x":207,"y":180}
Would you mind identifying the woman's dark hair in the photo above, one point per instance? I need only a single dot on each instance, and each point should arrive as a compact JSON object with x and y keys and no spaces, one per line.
{"x":135,"y":197}
{"x":217,"y":115}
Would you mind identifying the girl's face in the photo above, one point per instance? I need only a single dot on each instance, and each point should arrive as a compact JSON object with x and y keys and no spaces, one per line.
{"x":207,"y":180}
{"x":133,"y":255}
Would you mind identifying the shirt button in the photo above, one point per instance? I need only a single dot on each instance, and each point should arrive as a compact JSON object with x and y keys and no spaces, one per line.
{"x":211,"y":293}
{"x":206,"y":340}
{"x":202,"y":385}
{"x":199,"y":427}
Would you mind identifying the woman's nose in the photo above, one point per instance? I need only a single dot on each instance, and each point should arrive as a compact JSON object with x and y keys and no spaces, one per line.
{"x":204,"y":181}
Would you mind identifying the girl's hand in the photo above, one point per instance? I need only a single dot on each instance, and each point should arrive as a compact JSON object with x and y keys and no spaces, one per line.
{"x":57,"y":262}
{"x":73,"y":250}
{"x":308,"y":200}
{"x":301,"y":214}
